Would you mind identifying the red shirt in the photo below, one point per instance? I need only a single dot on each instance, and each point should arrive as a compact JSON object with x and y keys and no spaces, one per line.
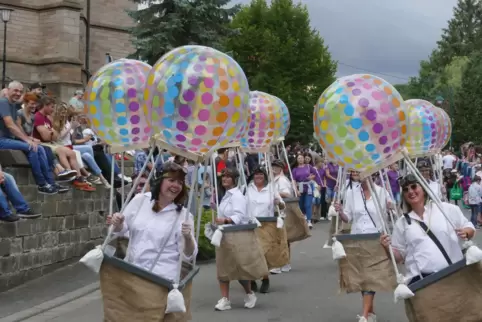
{"x":221,"y":166}
{"x":40,"y":120}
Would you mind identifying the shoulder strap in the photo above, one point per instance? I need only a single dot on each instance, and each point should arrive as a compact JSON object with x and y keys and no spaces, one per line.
{"x":432,"y":237}
{"x":366,"y":208}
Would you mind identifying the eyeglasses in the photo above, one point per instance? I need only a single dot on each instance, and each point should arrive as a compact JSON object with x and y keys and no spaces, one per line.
{"x":412,"y":187}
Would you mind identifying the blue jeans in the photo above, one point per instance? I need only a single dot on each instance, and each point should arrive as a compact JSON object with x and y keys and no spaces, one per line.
{"x":330,"y":194}
{"x":88,"y":157}
{"x":475,"y":212}
{"x":50,"y":156}
{"x":306,"y":201}
{"x":12,"y":194}
{"x":40,"y":167}
{"x":117,"y":170}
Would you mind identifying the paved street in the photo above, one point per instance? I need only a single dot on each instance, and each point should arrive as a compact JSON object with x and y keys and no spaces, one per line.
{"x":308,"y":293}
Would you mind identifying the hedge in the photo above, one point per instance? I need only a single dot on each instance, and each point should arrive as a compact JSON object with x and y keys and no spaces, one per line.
{"x":206,"y":250}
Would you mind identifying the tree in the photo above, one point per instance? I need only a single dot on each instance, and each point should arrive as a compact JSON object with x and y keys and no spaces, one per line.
{"x":283,"y":56}
{"x":168,"y":24}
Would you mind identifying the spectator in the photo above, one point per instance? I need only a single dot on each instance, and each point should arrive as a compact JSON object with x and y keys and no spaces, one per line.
{"x":76,"y":101}
{"x":12,"y":194}
{"x":38,"y":89}
{"x":13,"y":138}
{"x":44,"y":132}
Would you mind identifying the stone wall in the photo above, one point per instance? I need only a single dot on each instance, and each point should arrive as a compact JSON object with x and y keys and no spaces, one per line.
{"x":71,"y":224}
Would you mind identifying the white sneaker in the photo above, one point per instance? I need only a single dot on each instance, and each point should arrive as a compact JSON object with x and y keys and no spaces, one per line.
{"x":121,"y":176}
{"x":275,"y":271}
{"x":372,"y":317}
{"x":250,"y":300}
{"x":223,"y":305}
{"x":310,"y":225}
{"x":361,"y":319}
{"x":286,"y":268}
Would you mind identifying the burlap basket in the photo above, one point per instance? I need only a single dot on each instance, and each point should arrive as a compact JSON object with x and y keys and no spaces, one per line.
{"x":295,"y":222}
{"x":343,"y":228}
{"x":366,"y":267}
{"x":274,"y":244}
{"x":240,"y":257}
{"x":456,"y":297}
{"x":128,"y":297}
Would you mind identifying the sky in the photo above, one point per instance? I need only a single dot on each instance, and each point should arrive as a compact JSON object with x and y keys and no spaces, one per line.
{"x":387,"y":38}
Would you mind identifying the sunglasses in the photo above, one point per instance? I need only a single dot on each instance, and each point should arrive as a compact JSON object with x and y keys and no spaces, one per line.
{"x":411,"y":187}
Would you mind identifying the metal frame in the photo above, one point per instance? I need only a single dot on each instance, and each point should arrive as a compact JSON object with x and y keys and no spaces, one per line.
{"x":435,"y":277}
{"x":358,"y":236}
{"x":293,"y":199}
{"x":227,"y":229}
{"x":121,"y":264}
{"x":267,"y":219}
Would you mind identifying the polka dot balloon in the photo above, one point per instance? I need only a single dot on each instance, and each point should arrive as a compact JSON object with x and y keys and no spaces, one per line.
{"x":444,"y":128}
{"x":197,"y":99}
{"x":360,"y":122}
{"x":282,"y":123}
{"x":113,"y":100}
{"x":422,"y":128}
{"x":261,"y":129}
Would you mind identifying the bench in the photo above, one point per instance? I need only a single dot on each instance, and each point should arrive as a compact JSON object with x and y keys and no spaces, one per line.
{"x":13,"y":158}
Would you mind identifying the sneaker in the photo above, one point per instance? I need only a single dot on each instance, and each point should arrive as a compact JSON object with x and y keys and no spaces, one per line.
{"x":67,"y":175}
{"x":250,"y":300}
{"x":372,"y":317}
{"x":254,"y":286}
{"x":275,"y":271}
{"x":94,"y":179}
{"x":87,"y":188}
{"x":286,"y":268}
{"x":223,"y":305}
{"x":61,"y":189}
{"x":264,"y":286}
{"x":310,"y":225}
{"x":105,"y":183}
{"x":82,"y":184}
{"x":11,"y":218}
{"x":121,"y":176}
{"x":47,"y":190}
{"x":28,"y":214}
{"x":361,"y":319}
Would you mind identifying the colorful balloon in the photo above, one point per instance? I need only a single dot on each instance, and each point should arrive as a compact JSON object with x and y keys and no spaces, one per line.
{"x":444,"y":128}
{"x":422,"y":128}
{"x":281,"y":130}
{"x":113,"y":100}
{"x":360,"y":122}
{"x":197,"y":99}
{"x":260,"y":133}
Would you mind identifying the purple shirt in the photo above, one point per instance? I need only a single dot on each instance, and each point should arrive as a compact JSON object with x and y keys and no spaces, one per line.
{"x":322,"y":175}
{"x":333,"y":169}
{"x":301,"y":174}
{"x":393,"y":179}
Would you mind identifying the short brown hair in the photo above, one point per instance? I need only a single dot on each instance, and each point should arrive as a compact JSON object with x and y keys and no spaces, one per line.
{"x":45,"y":100}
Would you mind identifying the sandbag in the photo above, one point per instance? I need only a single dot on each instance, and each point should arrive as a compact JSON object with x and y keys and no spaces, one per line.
{"x":122,"y":243}
{"x":274,"y":243}
{"x":343,"y":228}
{"x":240,"y":257}
{"x":128,"y":297}
{"x":456,"y":297}
{"x":295,"y":222}
{"x":366,"y":267}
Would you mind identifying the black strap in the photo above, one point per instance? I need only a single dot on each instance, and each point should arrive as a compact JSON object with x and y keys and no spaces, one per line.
{"x":365,"y":205}
{"x":432,"y":237}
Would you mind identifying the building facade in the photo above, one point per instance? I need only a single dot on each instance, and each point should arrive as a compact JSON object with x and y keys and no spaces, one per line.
{"x":61,"y":42}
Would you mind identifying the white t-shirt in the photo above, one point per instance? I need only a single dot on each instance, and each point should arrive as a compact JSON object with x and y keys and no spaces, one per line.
{"x":87,"y":132}
{"x":421,"y":254}
{"x":435,"y":187}
{"x":354,"y":209}
{"x":448,"y":161}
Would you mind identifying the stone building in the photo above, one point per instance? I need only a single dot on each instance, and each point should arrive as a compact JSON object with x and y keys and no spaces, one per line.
{"x":60,"y":42}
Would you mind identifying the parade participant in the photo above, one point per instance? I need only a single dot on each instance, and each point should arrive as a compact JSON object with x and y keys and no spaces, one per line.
{"x":331,"y":174}
{"x":319,"y":204}
{"x":359,"y":208}
{"x":302,"y":175}
{"x":153,"y":219}
{"x":232,"y":210}
{"x":393,"y":176}
{"x":283,"y":186}
{"x":423,"y":239}
{"x":426,"y":172}
{"x":261,"y":203}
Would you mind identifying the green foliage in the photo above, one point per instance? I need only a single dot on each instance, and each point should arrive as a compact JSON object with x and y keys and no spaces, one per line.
{"x":206,"y":250}
{"x":283,"y":56}
{"x":168,"y":24}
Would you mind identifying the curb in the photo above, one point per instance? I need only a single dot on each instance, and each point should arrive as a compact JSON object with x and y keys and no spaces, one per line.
{"x":46,"y":306}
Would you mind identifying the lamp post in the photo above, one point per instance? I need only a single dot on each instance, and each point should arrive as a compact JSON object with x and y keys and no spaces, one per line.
{"x":439,"y":101}
{"x":5,"y":14}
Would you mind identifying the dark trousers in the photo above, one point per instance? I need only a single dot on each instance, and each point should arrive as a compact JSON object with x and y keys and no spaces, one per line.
{"x":324,"y":205}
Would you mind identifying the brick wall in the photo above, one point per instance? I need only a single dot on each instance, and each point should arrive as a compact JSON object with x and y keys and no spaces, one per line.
{"x":71,"y":224}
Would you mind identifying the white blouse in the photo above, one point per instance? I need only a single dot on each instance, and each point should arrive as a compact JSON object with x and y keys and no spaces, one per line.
{"x":234,"y":206}
{"x":435,"y":187}
{"x":283,"y":185}
{"x":261,"y":203}
{"x":420,"y":252}
{"x":149,"y":231}
{"x":354,"y":209}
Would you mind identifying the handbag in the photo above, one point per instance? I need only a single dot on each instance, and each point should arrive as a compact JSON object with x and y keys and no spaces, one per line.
{"x":456,"y":192}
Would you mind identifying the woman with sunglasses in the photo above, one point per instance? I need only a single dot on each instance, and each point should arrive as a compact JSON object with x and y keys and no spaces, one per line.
{"x":262,"y":202}
{"x":157,"y":222}
{"x":422,"y":238}
{"x":232,"y":210}
{"x":359,"y":209}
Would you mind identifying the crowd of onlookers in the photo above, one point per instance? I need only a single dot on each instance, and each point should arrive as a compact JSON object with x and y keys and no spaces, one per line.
{"x":58,"y":143}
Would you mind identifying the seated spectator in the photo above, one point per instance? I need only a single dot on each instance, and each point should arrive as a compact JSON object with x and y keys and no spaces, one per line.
{"x":44,"y":132}
{"x":140,"y":158}
{"x":76,"y":101}
{"x":25,"y":118}
{"x":11,"y":193}
{"x":12,"y":137}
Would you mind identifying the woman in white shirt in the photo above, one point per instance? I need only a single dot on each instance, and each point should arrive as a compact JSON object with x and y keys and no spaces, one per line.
{"x":412,"y":244}
{"x":158,"y":225}
{"x":360,"y":210}
{"x":233,"y":210}
{"x":262,"y":199}
{"x":427,"y":173}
